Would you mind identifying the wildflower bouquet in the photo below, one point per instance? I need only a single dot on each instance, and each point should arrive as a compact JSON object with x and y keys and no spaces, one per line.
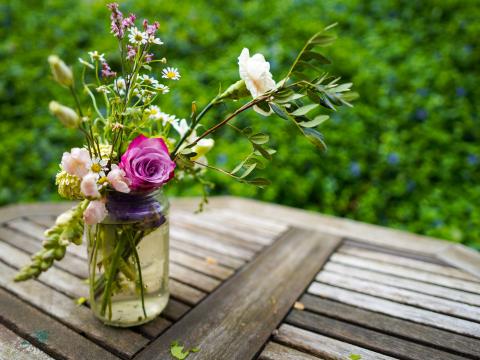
{"x":133,"y":149}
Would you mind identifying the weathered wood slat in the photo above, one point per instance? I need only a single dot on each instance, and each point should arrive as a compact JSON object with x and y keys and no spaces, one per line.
{"x":45,"y":221}
{"x":221,"y":247}
{"x":415,"y":285}
{"x":391,"y":325}
{"x":462,"y":257}
{"x":175,"y":310}
{"x":246,"y":308}
{"x":247,"y":223}
{"x":410,"y":263}
{"x":366,"y":338}
{"x":185,"y":293}
{"x":14,"y":211}
{"x":193,"y":278}
{"x":373,"y":234}
{"x":201,"y":265}
{"x":204,"y":253}
{"x":323,"y":346}
{"x":274,"y":351}
{"x":14,"y":347}
{"x":46,"y":333}
{"x":402,"y":296}
{"x":154,"y":328}
{"x":208,"y":223}
{"x":395,"y":309}
{"x":402,"y":271}
{"x":62,"y":308}
{"x":55,"y":278}
{"x":71,"y":264}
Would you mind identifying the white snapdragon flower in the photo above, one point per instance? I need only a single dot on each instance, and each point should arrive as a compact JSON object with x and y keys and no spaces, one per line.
{"x":95,"y":56}
{"x":255,"y":71}
{"x":137,"y":37}
{"x":103,"y":89}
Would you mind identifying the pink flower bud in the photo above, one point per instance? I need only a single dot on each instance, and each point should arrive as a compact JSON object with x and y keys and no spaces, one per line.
{"x":95,"y":212}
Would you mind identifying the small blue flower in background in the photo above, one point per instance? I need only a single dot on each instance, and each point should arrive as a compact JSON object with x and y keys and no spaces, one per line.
{"x":221,"y":159}
{"x":411,"y":184}
{"x":437,"y":223}
{"x":460,"y":91}
{"x":420,"y":114}
{"x":422,"y":92}
{"x":472,"y":159}
{"x":393,"y":159}
{"x":355,"y":169}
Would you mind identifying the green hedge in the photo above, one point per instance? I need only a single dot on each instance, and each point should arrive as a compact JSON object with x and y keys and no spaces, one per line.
{"x":407,"y":155}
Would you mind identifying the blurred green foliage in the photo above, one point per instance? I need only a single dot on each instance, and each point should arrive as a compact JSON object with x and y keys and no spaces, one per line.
{"x":407,"y":156}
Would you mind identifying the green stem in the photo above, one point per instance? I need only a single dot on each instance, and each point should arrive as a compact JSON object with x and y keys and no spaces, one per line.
{"x":111,"y":275}
{"x":140,"y":279}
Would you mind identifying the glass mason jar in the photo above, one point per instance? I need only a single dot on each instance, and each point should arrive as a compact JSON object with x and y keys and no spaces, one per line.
{"x":128,"y":259}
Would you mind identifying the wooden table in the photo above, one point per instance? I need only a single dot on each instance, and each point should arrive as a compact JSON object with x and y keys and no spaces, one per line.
{"x":251,"y":280}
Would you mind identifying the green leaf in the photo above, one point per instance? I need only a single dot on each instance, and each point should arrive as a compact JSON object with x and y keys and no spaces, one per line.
{"x":304,"y":110}
{"x":247,"y":131}
{"x":307,"y":65}
{"x":280,"y":111}
{"x":264,"y":106}
{"x":259,"y":138}
{"x":355,"y":357}
{"x":343,"y":87}
{"x":322,"y":39}
{"x":81,"y":301}
{"x":315,"y":138}
{"x":177,"y":351}
{"x":248,"y":171}
{"x":290,"y":98}
{"x":266,"y":154}
{"x":315,"y":122}
{"x":260,"y":182}
{"x":312,"y":55}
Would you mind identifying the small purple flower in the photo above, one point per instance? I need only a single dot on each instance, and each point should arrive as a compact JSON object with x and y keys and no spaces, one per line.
{"x":106,"y":71}
{"x":150,"y":29}
{"x":117,"y":21}
{"x":148,"y":58}
{"x":131,"y":52}
{"x":129,"y":21}
{"x":147,"y":163}
{"x":393,"y":158}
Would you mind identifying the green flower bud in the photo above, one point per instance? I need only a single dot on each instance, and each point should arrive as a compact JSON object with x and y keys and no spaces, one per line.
{"x":59,"y":253}
{"x":66,"y":115}
{"x":61,"y":72}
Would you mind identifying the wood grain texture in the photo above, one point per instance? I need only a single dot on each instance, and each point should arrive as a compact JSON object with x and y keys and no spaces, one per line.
{"x":235,"y":321}
{"x":395,"y":309}
{"x":409,"y":263}
{"x":14,"y":347}
{"x":323,"y":346}
{"x":402,"y":271}
{"x":415,"y":285}
{"x":427,"y":335}
{"x":462,"y":257}
{"x":62,"y":308}
{"x":402,"y":296}
{"x":46,"y":333}
{"x":366,"y":338}
{"x":274,"y":351}
{"x":207,"y":266}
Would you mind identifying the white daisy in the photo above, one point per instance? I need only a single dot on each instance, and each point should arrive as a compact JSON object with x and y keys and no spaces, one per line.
{"x":120,"y":86}
{"x":99,"y":166}
{"x":95,"y":56}
{"x":171,"y":73}
{"x":153,"y":112}
{"x":163,"y":88}
{"x":148,"y":80}
{"x":137,"y":37}
{"x":153,"y":40}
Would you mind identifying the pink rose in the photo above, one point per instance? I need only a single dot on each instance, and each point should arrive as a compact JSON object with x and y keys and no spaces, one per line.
{"x":95,"y":212}
{"x":76,"y":162}
{"x":89,"y":186}
{"x":147,"y":163}
{"x":116,"y":178}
